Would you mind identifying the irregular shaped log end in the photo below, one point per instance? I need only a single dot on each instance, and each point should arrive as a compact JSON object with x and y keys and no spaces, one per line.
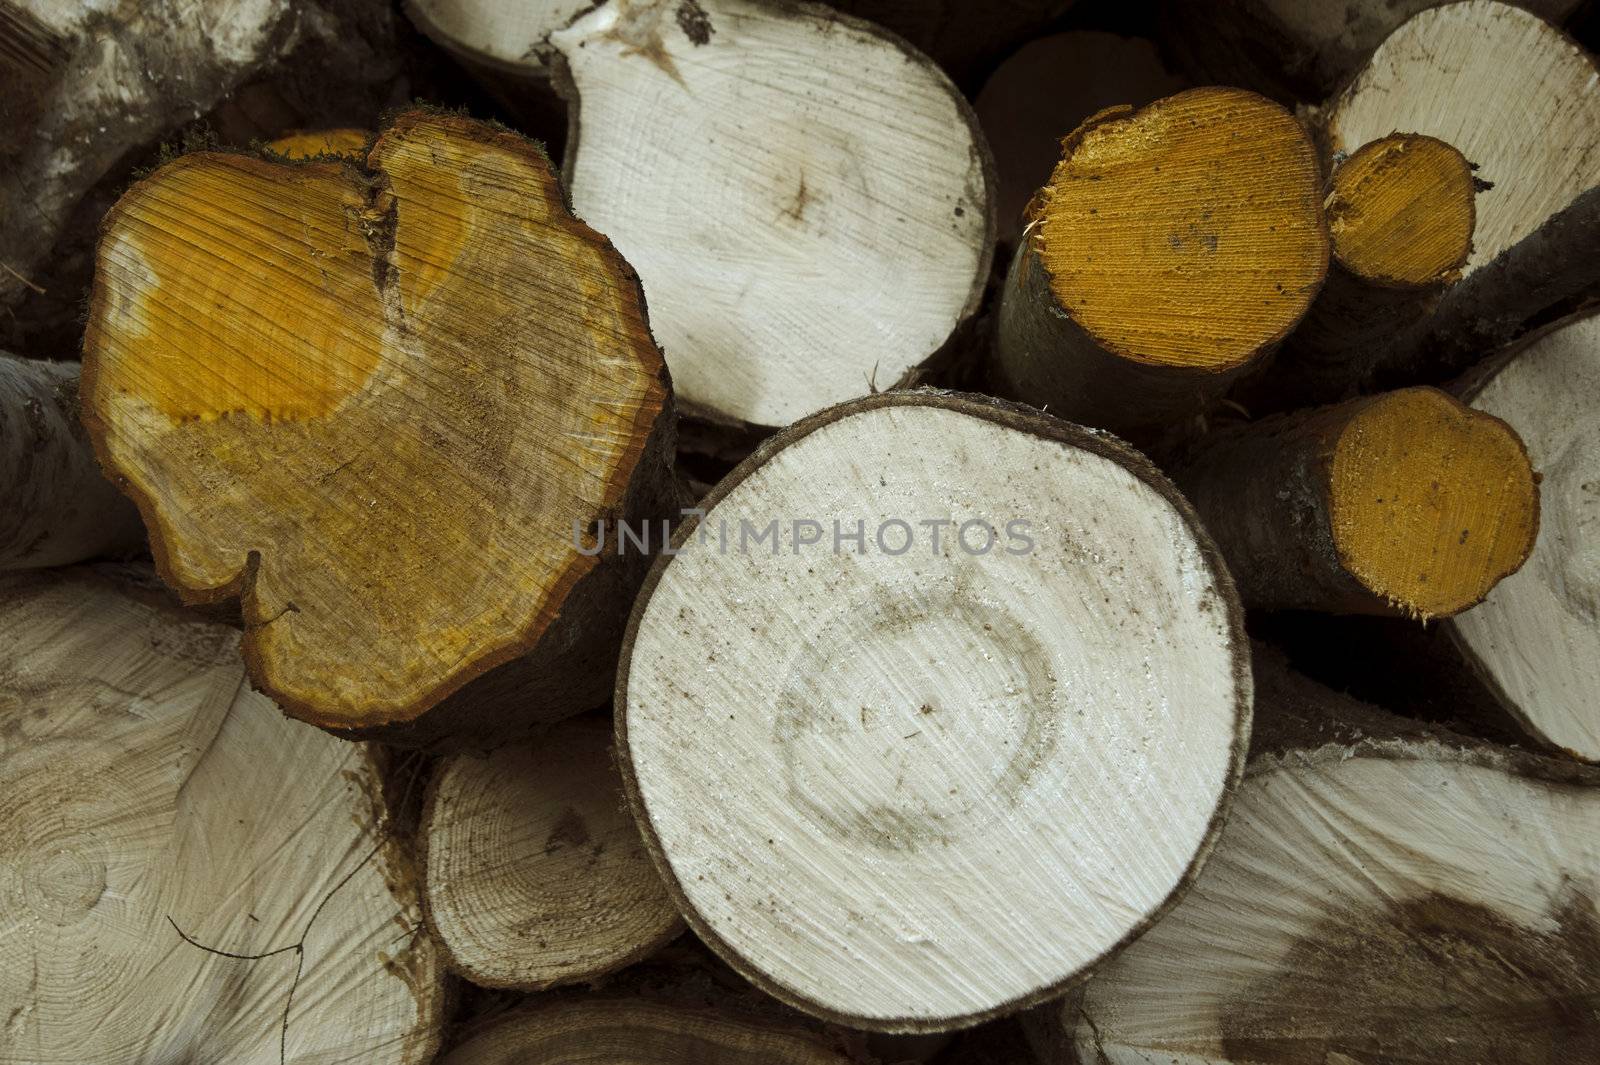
{"x":1401,"y":211}
{"x":1431,"y":502}
{"x":1207,"y":199}
{"x":358,"y":400}
{"x":308,"y":144}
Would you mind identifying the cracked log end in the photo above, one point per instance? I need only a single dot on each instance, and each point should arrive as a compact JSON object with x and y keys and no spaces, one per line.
{"x":1431,"y":502}
{"x":1401,"y":211}
{"x":375,"y":405}
{"x":535,"y":872}
{"x":1205,"y":200}
{"x":930,"y":762}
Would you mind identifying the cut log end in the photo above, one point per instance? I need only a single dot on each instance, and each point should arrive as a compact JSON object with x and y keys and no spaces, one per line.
{"x":353,"y":400}
{"x":1432,"y":503}
{"x":1204,"y":199}
{"x":535,"y":873}
{"x":1401,"y":211}
{"x":885,"y":720}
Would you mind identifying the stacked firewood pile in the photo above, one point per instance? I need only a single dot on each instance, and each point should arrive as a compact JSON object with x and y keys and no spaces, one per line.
{"x":747,"y":531}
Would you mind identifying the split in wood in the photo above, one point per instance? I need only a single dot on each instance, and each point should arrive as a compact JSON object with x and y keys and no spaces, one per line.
{"x":1173,"y":248}
{"x":933,"y":759}
{"x":1405,"y":502}
{"x":387,"y":412}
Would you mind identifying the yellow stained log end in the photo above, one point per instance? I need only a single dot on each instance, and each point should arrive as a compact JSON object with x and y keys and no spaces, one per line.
{"x":1401,"y":211}
{"x":1189,"y":233}
{"x":244,"y":287}
{"x":1432,"y":502}
{"x":308,"y":144}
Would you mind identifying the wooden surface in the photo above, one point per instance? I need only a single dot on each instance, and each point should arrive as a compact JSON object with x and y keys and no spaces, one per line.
{"x":376,"y":414}
{"x":907,"y":790}
{"x":535,"y":873}
{"x":142,"y":785}
{"x":807,"y":202}
{"x":1535,"y":639}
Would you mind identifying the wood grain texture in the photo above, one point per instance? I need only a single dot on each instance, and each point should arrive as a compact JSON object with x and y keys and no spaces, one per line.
{"x":1401,"y":215}
{"x":909,"y":787}
{"x":381,"y":411}
{"x":142,"y":785}
{"x":1509,"y":91}
{"x":1174,"y":247}
{"x":1406,"y":502}
{"x":1381,"y":893}
{"x":1535,"y":640}
{"x":58,"y":508}
{"x":535,"y":874}
{"x":808,"y":201}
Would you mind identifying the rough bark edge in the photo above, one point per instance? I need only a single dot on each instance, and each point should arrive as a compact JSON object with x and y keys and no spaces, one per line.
{"x":661,"y":428}
{"x":453,"y":962}
{"x":960,"y":336}
{"x":1036,"y":424}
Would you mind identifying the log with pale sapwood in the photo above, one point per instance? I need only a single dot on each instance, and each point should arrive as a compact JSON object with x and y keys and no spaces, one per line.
{"x":57,"y":507}
{"x":808,"y":201}
{"x":1407,"y":502}
{"x":98,"y":82}
{"x":1401,"y":216}
{"x":415,"y":402}
{"x":534,"y":872}
{"x":1382,"y":892}
{"x":640,"y":1031}
{"x":1044,"y":92}
{"x":1535,"y":142}
{"x":1294,"y":49}
{"x":936,"y":707}
{"x":1534,"y":642}
{"x":1174,"y":247}
{"x":161,"y":825}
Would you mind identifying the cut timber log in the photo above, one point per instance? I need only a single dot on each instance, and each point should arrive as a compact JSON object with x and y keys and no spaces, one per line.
{"x":154,"y":811}
{"x":1400,"y":213}
{"x":1173,"y":248}
{"x":808,"y":202}
{"x":535,"y":874}
{"x":104,"y":81}
{"x":1534,"y":641}
{"x":631,"y":1031}
{"x":1405,"y":502}
{"x":396,"y":430}
{"x":1381,"y":893}
{"x":906,"y":784}
{"x":1294,"y":49}
{"x":57,"y":507}
{"x":309,"y":144}
{"x":1535,"y":140}
{"x":1045,"y":91}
